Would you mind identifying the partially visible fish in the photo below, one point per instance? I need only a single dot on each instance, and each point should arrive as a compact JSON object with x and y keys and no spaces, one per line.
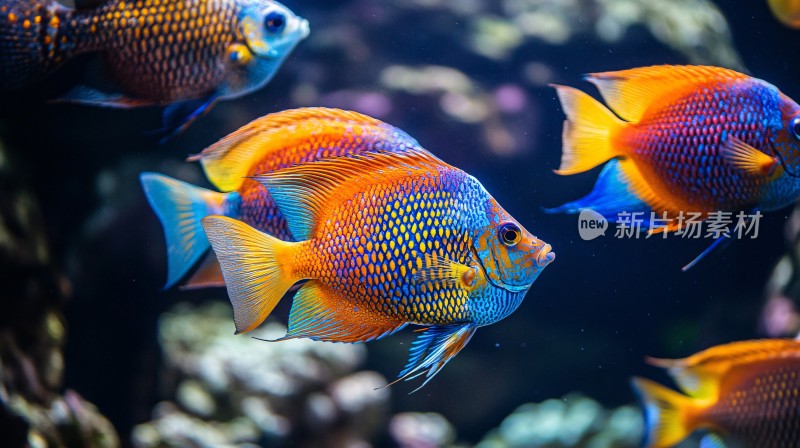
{"x":273,"y":142}
{"x":183,"y":53}
{"x":787,"y":11}
{"x":747,"y":392}
{"x":383,"y":240}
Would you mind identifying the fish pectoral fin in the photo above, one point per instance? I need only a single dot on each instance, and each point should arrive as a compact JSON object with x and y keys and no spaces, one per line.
{"x":747,"y":158}
{"x":303,"y":191}
{"x":319,"y":313}
{"x":254,"y":266}
{"x":208,"y":275}
{"x":630,"y":93}
{"x":433,"y":348}
{"x":443,"y":270}
{"x":177,"y":117}
{"x":228,"y":161}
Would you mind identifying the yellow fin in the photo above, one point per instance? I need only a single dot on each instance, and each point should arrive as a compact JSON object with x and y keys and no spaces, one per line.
{"x":303,"y":191}
{"x":256,"y":268}
{"x":747,"y":158}
{"x":231,"y":159}
{"x":668,"y":415}
{"x":438,"y":269}
{"x":588,"y":131}
{"x":699,"y":374}
{"x":642,"y":189}
{"x":630,"y":93}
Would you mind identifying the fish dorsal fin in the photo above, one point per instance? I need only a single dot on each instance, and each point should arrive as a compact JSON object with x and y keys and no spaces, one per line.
{"x":433,"y":348}
{"x":231,"y":159}
{"x":699,"y":374}
{"x":631,"y":93}
{"x":303,"y":191}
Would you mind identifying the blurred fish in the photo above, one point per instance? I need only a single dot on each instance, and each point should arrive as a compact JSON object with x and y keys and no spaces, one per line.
{"x":747,"y":392}
{"x":787,"y":11}
{"x":691,"y":139}
{"x":270,"y":143}
{"x":384,"y":240}
{"x":185,"y":53}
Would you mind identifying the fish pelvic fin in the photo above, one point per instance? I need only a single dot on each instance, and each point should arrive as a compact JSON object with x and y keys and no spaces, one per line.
{"x":433,"y":348}
{"x":319,"y":313}
{"x":589,"y":131}
{"x":180,"y":207}
{"x":256,"y":267}
{"x":669,"y":416}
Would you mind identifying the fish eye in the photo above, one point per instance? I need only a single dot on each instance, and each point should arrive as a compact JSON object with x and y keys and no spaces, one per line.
{"x":795,"y":125}
{"x":510,"y":234}
{"x":275,"y":22}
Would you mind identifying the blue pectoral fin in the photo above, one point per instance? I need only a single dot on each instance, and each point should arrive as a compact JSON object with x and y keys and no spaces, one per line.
{"x":179,"y":116}
{"x":433,"y":349}
{"x":610,"y":196}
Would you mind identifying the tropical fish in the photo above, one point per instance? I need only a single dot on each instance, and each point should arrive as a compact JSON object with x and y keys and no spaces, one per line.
{"x":267,"y":144}
{"x":685,"y":139}
{"x":747,"y":392}
{"x":185,"y":53}
{"x":787,"y":11}
{"x":383,"y":241}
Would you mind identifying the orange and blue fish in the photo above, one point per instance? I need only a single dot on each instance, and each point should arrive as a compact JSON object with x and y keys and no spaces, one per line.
{"x":383,"y":240}
{"x":270,"y":143}
{"x":743,"y":393}
{"x":682,"y":139}
{"x":183,"y":53}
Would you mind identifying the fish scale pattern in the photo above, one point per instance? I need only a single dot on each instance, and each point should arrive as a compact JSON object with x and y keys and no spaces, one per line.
{"x":759,"y":406}
{"x":327,"y":139}
{"x":678,"y":147}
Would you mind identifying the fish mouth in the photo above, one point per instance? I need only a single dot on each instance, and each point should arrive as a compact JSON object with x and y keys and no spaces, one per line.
{"x":545,"y":256}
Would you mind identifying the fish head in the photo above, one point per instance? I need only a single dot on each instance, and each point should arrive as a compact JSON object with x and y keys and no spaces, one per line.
{"x":271,"y":30}
{"x":787,"y":138}
{"x":511,"y":257}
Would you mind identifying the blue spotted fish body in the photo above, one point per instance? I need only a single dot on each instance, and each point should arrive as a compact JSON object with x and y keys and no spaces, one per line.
{"x":384,"y":240}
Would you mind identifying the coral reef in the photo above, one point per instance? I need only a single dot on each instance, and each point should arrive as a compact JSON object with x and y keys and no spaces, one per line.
{"x":32,"y":334}
{"x":238,"y":390}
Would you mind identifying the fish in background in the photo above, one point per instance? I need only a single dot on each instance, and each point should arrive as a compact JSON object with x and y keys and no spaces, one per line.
{"x":787,"y":11}
{"x":691,"y":139}
{"x":384,"y":240}
{"x":270,"y":143}
{"x":185,"y":54}
{"x":744,"y":393}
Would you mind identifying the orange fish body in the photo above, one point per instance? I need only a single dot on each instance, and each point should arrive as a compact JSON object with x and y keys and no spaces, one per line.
{"x":746,"y":391}
{"x":384,"y":240}
{"x":270,"y":143}
{"x":686,"y":139}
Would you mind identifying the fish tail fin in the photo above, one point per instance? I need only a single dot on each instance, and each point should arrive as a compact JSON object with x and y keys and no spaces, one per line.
{"x":256,"y":267}
{"x":669,"y":415}
{"x":588,"y":133}
{"x":180,"y":207}
{"x":34,"y":40}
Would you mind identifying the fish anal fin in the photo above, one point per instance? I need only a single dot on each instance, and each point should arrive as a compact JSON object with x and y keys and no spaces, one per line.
{"x":642,"y":189}
{"x":208,"y":275}
{"x":303,"y":191}
{"x":631,"y":93}
{"x":321,"y":314}
{"x":433,"y":348}
{"x":748,"y":159}
{"x":178,"y":116}
{"x":669,"y":416}
{"x":257,"y":268}
{"x":229,"y":160}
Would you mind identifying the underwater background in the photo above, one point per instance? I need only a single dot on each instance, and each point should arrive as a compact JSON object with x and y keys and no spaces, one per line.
{"x":467,"y":79}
